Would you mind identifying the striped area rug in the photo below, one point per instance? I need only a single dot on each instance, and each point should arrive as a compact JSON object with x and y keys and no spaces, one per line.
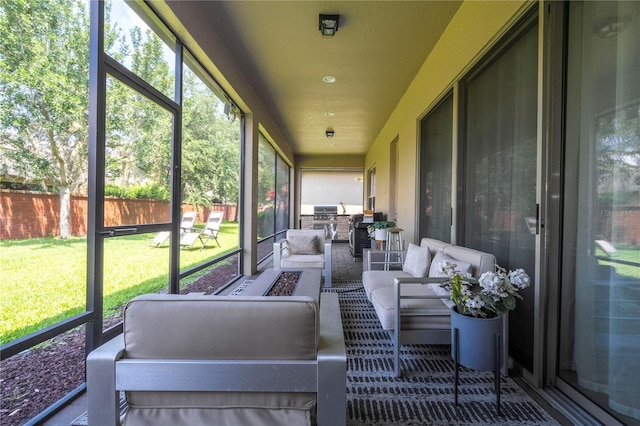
{"x":424,"y":395}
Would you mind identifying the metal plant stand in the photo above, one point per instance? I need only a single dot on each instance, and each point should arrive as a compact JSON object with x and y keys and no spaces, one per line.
{"x":498,"y":363}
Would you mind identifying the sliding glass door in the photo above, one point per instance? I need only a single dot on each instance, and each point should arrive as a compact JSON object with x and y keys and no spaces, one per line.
{"x":501,"y":167}
{"x":599,"y":338}
{"x":436,"y":143}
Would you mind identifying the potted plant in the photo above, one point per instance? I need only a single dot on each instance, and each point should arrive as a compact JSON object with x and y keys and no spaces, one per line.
{"x":479,"y":311}
{"x":378,"y":230}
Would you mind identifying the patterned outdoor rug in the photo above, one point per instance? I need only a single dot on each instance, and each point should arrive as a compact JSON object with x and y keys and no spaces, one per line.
{"x":424,"y":395}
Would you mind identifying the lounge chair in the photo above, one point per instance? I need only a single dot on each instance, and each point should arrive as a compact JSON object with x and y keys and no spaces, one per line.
{"x":186,"y":225}
{"x":209,"y":231}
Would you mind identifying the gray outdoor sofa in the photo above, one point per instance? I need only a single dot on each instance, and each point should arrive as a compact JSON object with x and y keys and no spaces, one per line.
{"x":216,"y":360}
{"x":404,"y":288}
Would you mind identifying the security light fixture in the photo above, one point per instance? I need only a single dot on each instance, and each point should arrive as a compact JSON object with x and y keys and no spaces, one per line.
{"x":329,"y":133}
{"x":328,"y":24}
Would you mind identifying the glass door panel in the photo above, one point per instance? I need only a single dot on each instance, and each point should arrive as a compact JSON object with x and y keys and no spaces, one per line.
{"x":137,"y":171}
{"x":501,"y":170}
{"x":133,"y":265}
{"x":266,"y":188}
{"x":600,"y":313}
{"x":130,"y":40}
{"x":282,"y":195}
{"x":435,"y":171}
{"x":210,"y":167}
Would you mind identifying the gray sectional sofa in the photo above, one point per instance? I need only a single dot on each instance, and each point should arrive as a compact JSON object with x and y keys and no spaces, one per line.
{"x":410,"y":294}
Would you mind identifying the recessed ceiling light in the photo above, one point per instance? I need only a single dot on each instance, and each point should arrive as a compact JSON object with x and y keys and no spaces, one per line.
{"x":329,"y":79}
{"x":329,"y":113}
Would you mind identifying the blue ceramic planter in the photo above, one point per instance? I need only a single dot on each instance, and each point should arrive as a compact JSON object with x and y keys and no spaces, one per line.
{"x":477,"y":341}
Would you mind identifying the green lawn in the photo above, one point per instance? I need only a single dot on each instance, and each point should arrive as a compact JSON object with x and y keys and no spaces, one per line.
{"x":43,"y":280}
{"x":624,"y":254}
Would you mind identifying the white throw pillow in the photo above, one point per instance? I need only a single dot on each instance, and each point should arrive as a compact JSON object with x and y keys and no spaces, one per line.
{"x":434,"y":271}
{"x":416,"y":262}
{"x":439,"y":258}
{"x":303,"y":244}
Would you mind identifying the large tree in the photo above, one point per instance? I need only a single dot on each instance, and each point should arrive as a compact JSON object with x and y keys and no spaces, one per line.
{"x":211,"y":147}
{"x":44,"y":70}
{"x":138,"y":131}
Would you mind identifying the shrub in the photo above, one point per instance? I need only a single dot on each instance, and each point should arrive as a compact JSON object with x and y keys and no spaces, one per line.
{"x":154,"y":191}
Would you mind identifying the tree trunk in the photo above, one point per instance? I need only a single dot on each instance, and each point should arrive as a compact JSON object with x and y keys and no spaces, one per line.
{"x":65,"y":212}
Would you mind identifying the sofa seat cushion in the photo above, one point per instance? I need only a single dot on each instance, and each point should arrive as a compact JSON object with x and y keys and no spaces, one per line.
{"x":372,"y":280}
{"x":205,"y":417}
{"x":435,"y":313}
{"x":302,"y":261}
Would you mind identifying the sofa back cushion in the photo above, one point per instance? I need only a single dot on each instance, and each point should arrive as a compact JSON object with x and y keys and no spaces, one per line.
{"x":480,"y":261}
{"x":440,"y":258}
{"x":305,"y":241}
{"x":303,"y":244}
{"x":434,"y":246}
{"x":417,"y":260}
{"x":219,"y":327}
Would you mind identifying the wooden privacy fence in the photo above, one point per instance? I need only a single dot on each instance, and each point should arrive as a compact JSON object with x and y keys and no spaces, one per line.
{"x":26,"y":214}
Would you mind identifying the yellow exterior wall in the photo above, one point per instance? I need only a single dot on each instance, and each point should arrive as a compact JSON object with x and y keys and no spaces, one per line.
{"x":474,"y":28}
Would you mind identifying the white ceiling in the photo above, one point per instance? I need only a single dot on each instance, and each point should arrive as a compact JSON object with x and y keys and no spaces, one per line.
{"x":378,"y":49}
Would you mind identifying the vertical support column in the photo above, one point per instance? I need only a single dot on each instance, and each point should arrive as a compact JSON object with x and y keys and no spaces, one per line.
{"x":250,"y":196}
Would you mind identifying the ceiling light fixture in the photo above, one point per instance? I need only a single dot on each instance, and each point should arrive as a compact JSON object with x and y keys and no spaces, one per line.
{"x":329,"y":133}
{"x":329,"y":113}
{"x":328,"y":24}
{"x":329,"y":79}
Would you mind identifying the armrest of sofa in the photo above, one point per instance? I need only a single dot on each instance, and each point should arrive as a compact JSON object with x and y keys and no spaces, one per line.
{"x":103,"y":400}
{"x":397,"y":285}
{"x":382,"y":259}
{"x":327,"y":263}
{"x":398,"y":282}
{"x":332,"y":364}
{"x":278,"y":247}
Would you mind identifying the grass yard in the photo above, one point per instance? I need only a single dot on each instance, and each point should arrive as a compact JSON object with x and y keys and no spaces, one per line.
{"x":43,"y":280}
{"x":624,"y":254}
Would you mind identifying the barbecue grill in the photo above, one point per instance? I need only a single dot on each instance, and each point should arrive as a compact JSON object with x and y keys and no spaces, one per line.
{"x":326,"y":217}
